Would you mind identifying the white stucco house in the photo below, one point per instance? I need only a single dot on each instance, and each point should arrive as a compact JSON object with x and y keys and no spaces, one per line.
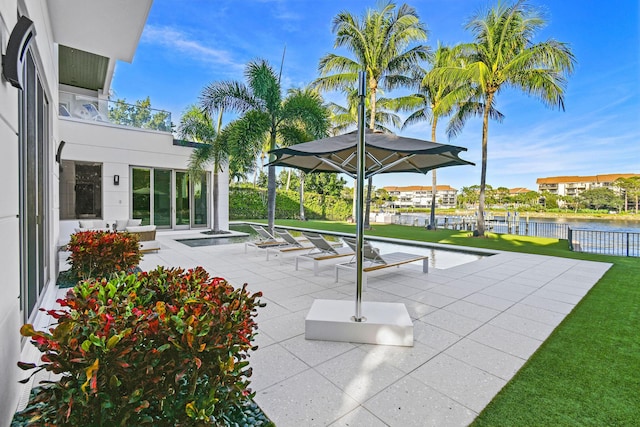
{"x":64,"y":161}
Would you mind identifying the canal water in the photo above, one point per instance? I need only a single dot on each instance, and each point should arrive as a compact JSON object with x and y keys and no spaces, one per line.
{"x":624,"y":225}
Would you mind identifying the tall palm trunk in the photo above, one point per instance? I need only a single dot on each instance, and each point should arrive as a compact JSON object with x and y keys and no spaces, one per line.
{"x":302,"y":218}
{"x":215,"y":191}
{"x":271,"y":197}
{"x":483,"y":169}
{"x":434,"y":179}
{"x":271,"y":185}
{"x":216,"y":221}
{"x":373,"y":85}
{"x":368,"y":203}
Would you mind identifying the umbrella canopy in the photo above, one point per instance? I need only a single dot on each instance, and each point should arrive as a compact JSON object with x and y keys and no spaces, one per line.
{"x":385,"y":153}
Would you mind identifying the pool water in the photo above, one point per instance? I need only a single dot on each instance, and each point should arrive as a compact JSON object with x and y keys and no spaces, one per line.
{"x":438,"y":258}
{"x":214,"y":241}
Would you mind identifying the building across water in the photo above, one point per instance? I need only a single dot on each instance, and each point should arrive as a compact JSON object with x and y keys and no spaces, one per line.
{"x":574,"y":185}
{"x":417,"y":196}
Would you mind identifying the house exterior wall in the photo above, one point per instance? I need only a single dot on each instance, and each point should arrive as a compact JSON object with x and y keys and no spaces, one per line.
{"x":11,"y":314}
{"x":119,"y":148}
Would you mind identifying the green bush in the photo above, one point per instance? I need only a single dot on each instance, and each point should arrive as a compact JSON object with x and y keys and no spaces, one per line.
{"x":102,"y":253}
{"x":251,"y":202}
{"x":162,"y":348}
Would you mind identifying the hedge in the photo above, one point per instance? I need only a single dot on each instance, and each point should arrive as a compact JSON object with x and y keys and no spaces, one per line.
{"x":251,"y":202}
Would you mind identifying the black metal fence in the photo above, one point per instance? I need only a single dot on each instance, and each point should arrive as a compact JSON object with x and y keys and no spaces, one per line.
{"x":619,"y":243}
{"x":522,"y":227}
{"x":530,"y":228}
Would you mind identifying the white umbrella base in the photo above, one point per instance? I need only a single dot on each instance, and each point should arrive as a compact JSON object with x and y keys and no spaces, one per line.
{"x":384,"y":323}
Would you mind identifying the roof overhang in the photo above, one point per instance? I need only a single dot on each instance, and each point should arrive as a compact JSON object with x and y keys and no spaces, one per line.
{"x":106,"y":29}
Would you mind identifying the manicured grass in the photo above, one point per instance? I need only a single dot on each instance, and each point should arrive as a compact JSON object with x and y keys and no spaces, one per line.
{"x":588,"y":371}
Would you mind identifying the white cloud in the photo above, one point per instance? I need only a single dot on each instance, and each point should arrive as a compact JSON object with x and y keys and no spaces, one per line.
{"x":181,"y":43}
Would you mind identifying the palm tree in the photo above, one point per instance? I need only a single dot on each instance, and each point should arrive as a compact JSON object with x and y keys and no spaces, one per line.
{"x":379,"y":42}
{"x":344,"y":119}
{"x":266,"y":117}
{"x":196,"y":125}
{"x":437,"y":97}
{"x":503,"y":54}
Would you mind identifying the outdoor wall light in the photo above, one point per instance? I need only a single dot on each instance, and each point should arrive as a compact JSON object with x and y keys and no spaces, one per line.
{"x":116,"y":179}
{"x":13,"y":60}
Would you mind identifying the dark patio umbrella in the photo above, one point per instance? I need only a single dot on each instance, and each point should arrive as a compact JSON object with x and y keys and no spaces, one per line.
{"x":365,"y":153}
{"x":384,"y":153}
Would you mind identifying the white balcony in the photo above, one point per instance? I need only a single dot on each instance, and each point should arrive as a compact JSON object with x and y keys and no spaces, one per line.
{"x":76,"y":106}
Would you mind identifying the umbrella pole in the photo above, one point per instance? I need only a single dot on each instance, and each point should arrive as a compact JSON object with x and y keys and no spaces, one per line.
{"x":362,"y":78}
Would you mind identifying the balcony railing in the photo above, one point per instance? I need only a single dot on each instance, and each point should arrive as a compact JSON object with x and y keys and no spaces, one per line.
{"x":139,"y":115}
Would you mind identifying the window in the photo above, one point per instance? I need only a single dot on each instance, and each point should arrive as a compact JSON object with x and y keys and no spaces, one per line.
{"x":80,"y":190}
{"x":35,"y":218}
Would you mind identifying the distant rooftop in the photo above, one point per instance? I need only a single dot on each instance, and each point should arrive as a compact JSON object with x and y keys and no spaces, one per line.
{"x":590,"y":178}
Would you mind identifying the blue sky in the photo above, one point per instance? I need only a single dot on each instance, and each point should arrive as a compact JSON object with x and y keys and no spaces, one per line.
{"x":188,"y":44}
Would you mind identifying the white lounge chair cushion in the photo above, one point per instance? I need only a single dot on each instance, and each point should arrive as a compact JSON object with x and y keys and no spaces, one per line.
{"x":141,"y":228}
{"x":122,"y":224}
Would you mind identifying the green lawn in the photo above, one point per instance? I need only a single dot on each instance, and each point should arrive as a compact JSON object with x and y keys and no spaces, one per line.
{"x":588,"y":370}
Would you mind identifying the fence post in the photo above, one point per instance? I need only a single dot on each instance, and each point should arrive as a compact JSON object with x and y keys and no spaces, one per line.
{"x":570,"y":238}
{"x":627,"y":244}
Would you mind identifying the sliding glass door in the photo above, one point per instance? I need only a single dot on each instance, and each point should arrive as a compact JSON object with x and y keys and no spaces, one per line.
{"x":162,"y":198}
{"x":140,"y":191}
{"x":169,"y":198}
{"x":183,"y":211}
{"x":200,"y":201}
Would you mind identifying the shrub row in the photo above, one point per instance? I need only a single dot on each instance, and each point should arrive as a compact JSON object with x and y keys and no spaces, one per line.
{"x":102,"y":253}
{"x":250,"y":202}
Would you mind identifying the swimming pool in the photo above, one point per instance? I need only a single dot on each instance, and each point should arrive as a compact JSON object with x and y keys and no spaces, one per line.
{"x":438,"y":258}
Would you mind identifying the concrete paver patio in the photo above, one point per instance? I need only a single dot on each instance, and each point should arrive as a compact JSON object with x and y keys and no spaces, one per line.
{"x":475,"y":325}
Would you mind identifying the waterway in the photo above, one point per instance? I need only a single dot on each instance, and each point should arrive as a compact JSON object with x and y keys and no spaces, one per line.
{"x":623,"y":225}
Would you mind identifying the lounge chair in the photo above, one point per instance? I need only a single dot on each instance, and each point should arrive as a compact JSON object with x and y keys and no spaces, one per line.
{"x":292,"y":244}
{"x":267,"y":240}
{"x":374,"y":260}
{"x":323,"y":251}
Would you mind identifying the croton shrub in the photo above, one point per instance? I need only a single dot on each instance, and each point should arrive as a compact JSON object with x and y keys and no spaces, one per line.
{"x":102,"y":253}
{"x":163,"y":348}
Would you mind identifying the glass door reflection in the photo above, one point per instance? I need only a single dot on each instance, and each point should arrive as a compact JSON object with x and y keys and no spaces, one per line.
{"x":182,"y":205}
{"x":162,"y":198}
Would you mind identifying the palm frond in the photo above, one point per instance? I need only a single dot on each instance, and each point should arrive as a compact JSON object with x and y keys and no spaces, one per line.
{"x":264,"y":84}
{"x":228,"y":95}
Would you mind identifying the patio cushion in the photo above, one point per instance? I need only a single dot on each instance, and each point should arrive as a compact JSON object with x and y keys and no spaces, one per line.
{"x":121,"y":224}
{"x":86,"y":223}
{"x":93,"y":225}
